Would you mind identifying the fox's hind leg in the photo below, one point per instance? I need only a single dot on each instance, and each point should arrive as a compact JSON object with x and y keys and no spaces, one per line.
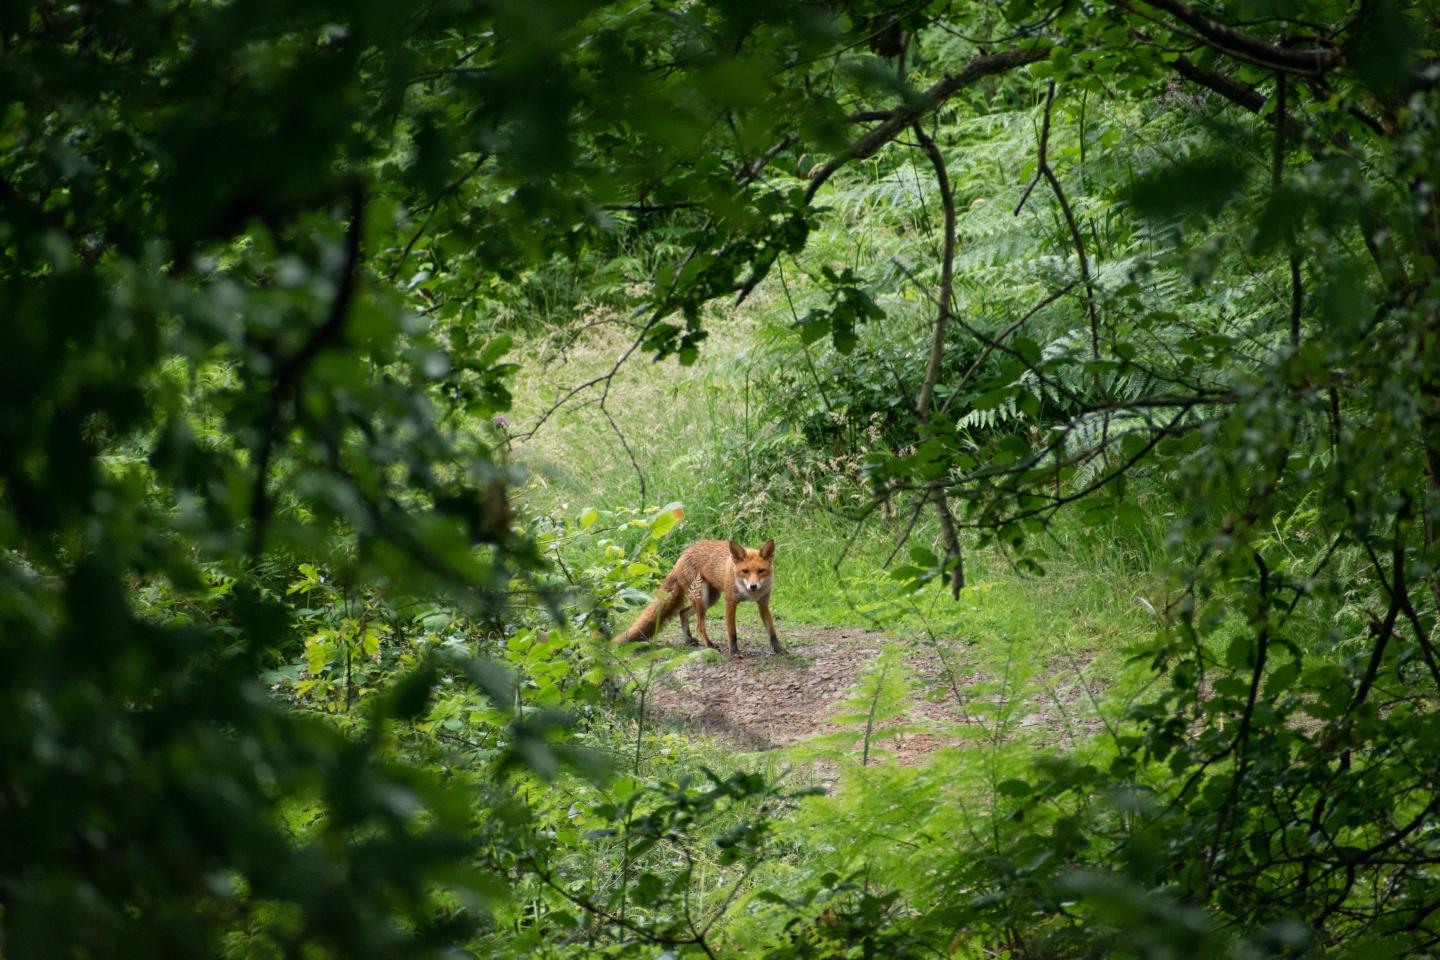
{"x":699,"y":592}
{"x":685,"y":625}
{"x":700,"y":625}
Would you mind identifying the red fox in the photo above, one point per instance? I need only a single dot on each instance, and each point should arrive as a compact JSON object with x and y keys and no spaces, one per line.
{"x":706,"y":571}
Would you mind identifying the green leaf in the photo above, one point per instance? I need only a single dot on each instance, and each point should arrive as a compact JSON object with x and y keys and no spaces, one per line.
{"x":1014,"y":788}
{"x":1201,"y":185}
{"x":670,"y":515}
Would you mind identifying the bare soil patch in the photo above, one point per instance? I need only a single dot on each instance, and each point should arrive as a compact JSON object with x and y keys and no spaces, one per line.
{"x":764,"y":701}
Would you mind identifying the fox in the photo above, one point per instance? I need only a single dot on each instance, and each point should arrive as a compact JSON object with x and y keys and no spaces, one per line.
{"x":706,"y":571}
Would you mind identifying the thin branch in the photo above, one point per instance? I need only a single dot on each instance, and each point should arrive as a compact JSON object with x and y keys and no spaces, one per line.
{"x":909,"y":528}
{"x":752,"y":170}
{"x":1043,"y":170}
{"x":639,"y":474}
{"x":591,"y":907}
{"x":804,"y":347}
{"x":904,"y":116}
{"x":642,"y":209}
{"x":432,"y":210}
{"x":605,"y":378}
{"x":1161,"y":402}
{"x":1057,"y":502}
{"x":1277,"y":171}
{"x":998,"y":339}
{"x":1399,"y":592}
{"x":287,"y":378}
{"x":1232,"y":90}
{"x":1396,"y":591}
{"x":1242,"y":737}
{"x":924,"y":405}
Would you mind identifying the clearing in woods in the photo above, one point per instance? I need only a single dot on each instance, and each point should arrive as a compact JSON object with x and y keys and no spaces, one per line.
{"x":766,"y":702}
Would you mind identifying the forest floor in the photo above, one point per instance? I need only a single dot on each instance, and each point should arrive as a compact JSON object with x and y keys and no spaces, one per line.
{"x":764,"y":701}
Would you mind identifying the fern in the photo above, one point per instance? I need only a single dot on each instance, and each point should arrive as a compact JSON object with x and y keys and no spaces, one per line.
{"x":874,"y":712}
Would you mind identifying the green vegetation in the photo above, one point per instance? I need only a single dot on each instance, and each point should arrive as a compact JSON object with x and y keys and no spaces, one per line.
{"x":368,"y":365}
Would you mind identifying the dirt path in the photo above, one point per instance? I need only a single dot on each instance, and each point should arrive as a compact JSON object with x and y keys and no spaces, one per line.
{"x":767,"y":702}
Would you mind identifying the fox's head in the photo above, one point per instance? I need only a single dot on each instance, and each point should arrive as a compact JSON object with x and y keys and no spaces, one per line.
{"x":754,"y":569}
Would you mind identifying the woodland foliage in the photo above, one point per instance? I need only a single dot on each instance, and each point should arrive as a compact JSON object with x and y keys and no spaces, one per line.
{"x":289,"y":671}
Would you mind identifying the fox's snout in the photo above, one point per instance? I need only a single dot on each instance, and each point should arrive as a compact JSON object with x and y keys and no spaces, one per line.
{"x":750,"y":583}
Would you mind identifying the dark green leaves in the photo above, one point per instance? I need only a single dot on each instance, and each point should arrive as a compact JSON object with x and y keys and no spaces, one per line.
{"x":1197,"y":187}
{"x":262,"y":265}
{"x":1385,"y":47}
{"x":850,"y":306}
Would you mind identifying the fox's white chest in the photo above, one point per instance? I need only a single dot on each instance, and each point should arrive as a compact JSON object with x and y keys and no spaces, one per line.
{"x":699,"y":591}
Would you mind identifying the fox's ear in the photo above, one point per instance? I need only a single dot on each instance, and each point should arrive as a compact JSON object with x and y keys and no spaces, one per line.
{"x":737,"y":551}
{"x":768,"y":551}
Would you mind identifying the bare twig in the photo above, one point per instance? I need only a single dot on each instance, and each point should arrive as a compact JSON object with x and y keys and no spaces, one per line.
{"x":909,"y":528}
{"x":752,"y":170}
{"x":1056,"y":503}
{"x":1396,"y":589}
{"x":605,"y":378}
{"x":804,"y":347}
{"x":639,"y":474}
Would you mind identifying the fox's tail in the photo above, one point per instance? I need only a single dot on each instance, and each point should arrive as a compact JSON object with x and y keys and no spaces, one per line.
{"x":661,"y":609}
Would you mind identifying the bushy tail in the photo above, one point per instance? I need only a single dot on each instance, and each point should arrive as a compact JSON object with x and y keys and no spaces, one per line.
{"x":661,"y":609}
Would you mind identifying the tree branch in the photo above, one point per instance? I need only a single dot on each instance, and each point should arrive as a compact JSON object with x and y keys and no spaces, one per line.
{"x":750,"y":171}
{"x":287,"y":377}
{"x":1277,"y":171}
{"x":1311,"y":62}
{"x":923,"y":406}
{"x":1000,"y":338}
{"x":904,"y":116}
{"x":1232,"y":90}
{"x":1396,"y":591}
{"x":1242,"y":737}
{"x":1043,"y":170}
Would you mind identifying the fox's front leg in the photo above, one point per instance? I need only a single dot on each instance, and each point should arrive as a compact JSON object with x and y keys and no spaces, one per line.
{"x":730,"y":625}
{"x":770,"y":625}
